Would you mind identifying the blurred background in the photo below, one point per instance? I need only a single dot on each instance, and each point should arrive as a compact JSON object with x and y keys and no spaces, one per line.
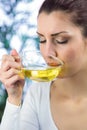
{"x":18,"y":24}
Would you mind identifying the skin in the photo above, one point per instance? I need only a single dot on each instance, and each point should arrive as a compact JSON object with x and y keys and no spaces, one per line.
{"x":47,"y":26}
{"x":13,"y":83}
{"x":68,"y":94}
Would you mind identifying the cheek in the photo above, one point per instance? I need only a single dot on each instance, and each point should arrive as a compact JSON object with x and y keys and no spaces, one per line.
{"x":70,"y":56}
{"x":42,"y":49}
{"x":70,"y":62}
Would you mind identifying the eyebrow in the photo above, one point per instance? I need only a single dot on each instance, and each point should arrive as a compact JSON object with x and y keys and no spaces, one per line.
{"x":55,"y":34}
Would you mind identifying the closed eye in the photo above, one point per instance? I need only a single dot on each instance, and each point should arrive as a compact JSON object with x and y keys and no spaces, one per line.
{"x":42,"y":41}
{"x":62,"y":42}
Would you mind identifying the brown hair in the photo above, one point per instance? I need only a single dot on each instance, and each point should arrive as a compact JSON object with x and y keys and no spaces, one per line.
{"x":78,"y":9}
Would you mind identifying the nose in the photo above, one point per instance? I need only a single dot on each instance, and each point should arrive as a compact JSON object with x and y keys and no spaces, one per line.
{"x":49,"y":51}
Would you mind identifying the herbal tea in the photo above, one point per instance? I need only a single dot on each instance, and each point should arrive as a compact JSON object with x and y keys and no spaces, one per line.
{"x":45,"y":75}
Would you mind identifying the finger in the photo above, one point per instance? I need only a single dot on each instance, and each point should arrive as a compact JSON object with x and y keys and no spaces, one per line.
{"x":15,"y":54}
{"x":13,"y":80}
{"x":10,"y":64}
{"x":10,"y":73}
{"x":17,"y":58}
{"x":7,"y":57}
{"x":5,"y":61}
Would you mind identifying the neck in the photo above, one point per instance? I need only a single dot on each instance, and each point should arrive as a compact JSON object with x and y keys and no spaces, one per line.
{"x":73,"y":87}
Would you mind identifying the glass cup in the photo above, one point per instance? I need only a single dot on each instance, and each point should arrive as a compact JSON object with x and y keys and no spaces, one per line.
{"x":36,"y":68}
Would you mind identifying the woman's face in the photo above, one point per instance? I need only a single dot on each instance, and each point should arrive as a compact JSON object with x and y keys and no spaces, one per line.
{"x":62,"y":38}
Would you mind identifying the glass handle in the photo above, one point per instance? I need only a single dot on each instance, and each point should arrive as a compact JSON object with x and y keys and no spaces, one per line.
{"x":57,"y":59}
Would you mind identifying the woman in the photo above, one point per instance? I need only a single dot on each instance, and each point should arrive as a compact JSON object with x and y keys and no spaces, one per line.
{"x":61,"y":104}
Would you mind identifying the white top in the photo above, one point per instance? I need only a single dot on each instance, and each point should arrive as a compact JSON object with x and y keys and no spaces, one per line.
{"x":35,"y":112}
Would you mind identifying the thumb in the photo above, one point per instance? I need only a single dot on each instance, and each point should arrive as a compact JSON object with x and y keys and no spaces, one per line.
{"x":14,"y":52}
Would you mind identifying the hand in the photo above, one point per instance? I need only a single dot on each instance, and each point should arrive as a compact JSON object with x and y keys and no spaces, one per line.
{"x":11,"y":64}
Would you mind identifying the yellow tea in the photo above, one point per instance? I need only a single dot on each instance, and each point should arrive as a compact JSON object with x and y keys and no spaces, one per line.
{"x":45,"y":75}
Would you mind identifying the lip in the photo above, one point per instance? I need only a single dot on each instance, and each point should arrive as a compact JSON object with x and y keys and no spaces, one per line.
{"x":53,"y":64}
